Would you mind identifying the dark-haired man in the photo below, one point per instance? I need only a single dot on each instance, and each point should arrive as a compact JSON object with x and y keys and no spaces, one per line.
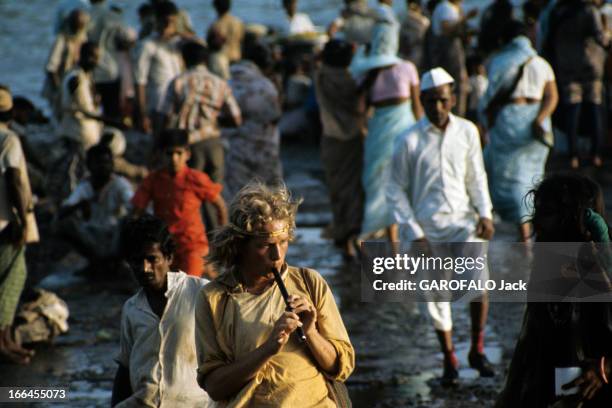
{"x":229,"y":27}
{"x":196,"y":101}
{"x":438,"y":193}
{"x":157,"y":62}
{"x":157,"y":355}
{"x":177,"y":193}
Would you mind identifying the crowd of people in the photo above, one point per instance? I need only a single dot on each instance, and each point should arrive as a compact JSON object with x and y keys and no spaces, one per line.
{"x":427,"y":128}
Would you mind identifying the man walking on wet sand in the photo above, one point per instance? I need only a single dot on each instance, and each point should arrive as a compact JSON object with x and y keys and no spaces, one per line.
{"x":438,"y":194}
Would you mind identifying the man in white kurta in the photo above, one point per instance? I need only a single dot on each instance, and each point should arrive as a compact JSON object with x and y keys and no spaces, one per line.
{"x":438,"y":193}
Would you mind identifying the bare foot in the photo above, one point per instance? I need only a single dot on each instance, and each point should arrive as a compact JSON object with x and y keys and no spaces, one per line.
{"x":574,"y":163}
{"x":8,"y":356}
{"x":9,"y":344}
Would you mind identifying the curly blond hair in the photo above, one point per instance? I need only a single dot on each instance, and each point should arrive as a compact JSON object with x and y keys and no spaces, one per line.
{"x":253,"y":207}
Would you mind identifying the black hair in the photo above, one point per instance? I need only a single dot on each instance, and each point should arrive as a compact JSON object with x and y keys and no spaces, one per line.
{"x":138,"y":233}
{"x":559,"y":207}
{"x":171,"y":138}
{"x":165,"y":9}
{"x":259,"y":54}
{"x":8,"y":115}
{"x":511,"y":30}
{"x":215,"y":39}
{"x":194,"y":53}
{"x":145,"y":9}
{"x":337,"y":53}
{"x":87,"y":49}
{"x":96,"y":152}
{"x":222,"y":6}
{"x":20,"y":102}
{"x":473,"y":62}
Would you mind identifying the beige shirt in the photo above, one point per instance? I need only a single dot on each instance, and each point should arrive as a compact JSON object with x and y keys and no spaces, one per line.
{"x":232,"y":29}
{"x":11,"y":156}
{"x":160,"y":354}
{"x":240,"y":322}
{"x":75,"y":124}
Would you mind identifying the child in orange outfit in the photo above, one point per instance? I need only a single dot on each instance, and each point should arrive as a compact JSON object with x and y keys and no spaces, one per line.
{"x":177,"y":193}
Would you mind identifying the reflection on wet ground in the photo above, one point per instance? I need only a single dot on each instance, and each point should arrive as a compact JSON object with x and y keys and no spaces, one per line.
{"x":397,"y":353}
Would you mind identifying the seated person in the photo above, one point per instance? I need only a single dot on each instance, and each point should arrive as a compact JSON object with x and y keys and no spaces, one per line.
{"x":177,"y":193}
{"x":157,"y":357}
{"x":90,"y":216}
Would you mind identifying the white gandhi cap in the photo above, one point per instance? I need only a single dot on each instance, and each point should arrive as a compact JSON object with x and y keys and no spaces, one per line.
{"x":434,"y":78}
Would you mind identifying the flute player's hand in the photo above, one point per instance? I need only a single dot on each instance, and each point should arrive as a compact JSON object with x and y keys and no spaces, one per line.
{"x":284,"y":326}
{"x":306,"y":311}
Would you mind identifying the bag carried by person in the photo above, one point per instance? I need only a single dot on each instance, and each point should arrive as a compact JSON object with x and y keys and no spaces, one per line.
{"x":503,"y":97}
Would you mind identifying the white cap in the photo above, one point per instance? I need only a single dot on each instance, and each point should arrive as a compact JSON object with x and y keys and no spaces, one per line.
{"x":434,"y":78}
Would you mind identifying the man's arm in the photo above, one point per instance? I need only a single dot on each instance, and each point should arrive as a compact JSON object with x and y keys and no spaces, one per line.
{"x":229,"y":377}
{"x":18,"y":199}
{"x":219,"y":204}
{"x":122,"y":388}
{"x":231,"y":115}
{"x":477,"y":186}
{"x":141,"y":75}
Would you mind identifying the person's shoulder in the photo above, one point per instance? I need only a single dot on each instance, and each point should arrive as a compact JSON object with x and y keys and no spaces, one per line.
{"x":129,"y":307}
{"x":463,"y":122}
{"x":308,"y":274}
{"x":540,"y":63}
{"x":236,"y":21}
{"x":466,"y":127}
{"x":409,"y":66}
{"x":120,"y":181}
{"x":9,"y":140}
{"x":408,"y":139}
{"x":197,"y":177}
{"x":195,"y":281}
{"x":191,"y":285}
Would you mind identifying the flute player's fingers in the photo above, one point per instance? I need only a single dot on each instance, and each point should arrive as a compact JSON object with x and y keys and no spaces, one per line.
{"x":306,"y":311}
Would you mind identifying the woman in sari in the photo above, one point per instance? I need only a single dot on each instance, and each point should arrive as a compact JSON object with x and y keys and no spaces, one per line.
{"x":392,"y":85}
{"x":254,"y":146}
{"x":516,"y":108}
{"x":247,"y":351}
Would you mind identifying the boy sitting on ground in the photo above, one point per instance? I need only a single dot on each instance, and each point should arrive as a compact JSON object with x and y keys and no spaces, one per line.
{"x":177,"y":193}
{"x":157,"y":356}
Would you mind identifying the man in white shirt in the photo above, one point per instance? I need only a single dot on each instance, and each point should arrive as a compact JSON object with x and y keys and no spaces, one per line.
{"x":157,"y":356}
{"x":297,"y":23}
{"x":158,"y":61}
{"x":438,"y":194}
